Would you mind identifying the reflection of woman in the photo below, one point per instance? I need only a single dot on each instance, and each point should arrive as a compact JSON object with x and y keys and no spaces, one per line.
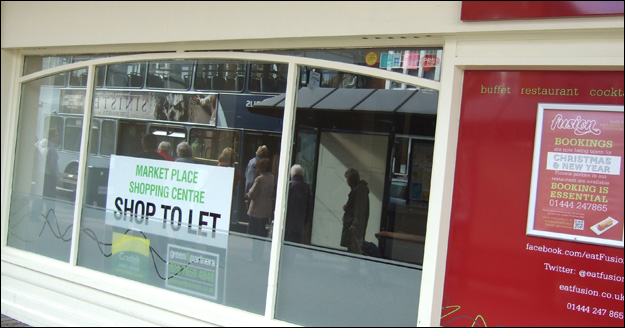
{"x":163,"y":149}
{"x":261,"y":194}
{"x":227,"y":159}
{"x":299,"y":207}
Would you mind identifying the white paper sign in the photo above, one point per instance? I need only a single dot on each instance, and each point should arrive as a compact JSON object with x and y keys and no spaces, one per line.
{"x":178,"y":200}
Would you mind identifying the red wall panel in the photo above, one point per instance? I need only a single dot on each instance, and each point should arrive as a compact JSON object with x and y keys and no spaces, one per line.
{"x":499,"y":10}
{"x":496,"y":274}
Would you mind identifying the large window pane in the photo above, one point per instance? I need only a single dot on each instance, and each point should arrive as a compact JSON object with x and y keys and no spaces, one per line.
{"x":318,"y":288}
{"x":42,"y":204}
{"x":356,"y":218}
{"x":180,"y":221}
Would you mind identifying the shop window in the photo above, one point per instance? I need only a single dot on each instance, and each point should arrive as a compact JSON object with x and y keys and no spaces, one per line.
{"x":183,"y":225}
{"x":192,"y":207}
{"x":385,"y":134}
{"x":41,"y":207}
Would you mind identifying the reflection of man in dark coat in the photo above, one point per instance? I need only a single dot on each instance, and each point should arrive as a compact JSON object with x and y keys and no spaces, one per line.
{"x":299,"y":207}
{"x":46,"y":174}
{"x":52,"y":165}
{"x":356,"y":214}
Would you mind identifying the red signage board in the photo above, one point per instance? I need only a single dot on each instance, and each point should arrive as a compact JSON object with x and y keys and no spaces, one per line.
{"x":577,"y":180}
{"x":499,"y":10}
{"x":498,"y":274}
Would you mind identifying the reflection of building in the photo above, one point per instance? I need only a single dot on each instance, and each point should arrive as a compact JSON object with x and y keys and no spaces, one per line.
{"x":449,"y":166}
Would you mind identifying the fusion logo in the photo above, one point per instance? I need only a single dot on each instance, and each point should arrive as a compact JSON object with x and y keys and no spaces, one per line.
{"x":578,"y":125}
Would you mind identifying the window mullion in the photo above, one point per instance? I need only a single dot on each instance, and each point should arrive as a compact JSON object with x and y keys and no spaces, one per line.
{"x":282,"y":185}
{"x":82,"y":166}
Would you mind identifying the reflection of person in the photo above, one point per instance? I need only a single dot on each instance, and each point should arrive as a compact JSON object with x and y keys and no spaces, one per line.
{"x":184,"y":152}
{"x":356,"y":214}
{"x":227,"y":158}
{"x":163,"y":149}
{"x":46,"y":167}
{"x":197,"y":147}
{"x":299,"y":207}
{"x":51,"y":176}
{"x":260,"y":196}
{"x":251,"y":172}
{"x":209,"y":104}
{"x":39,"y":156}
{"x":148,"y":143}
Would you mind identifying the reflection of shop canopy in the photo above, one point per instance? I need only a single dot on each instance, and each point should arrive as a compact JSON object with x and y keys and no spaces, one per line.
{"x":424,"y":101}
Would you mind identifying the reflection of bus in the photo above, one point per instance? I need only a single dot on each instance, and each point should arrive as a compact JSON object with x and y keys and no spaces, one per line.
{"x":202,"y":102}
{"x":213,"y":104}
{"x":70,"y":129}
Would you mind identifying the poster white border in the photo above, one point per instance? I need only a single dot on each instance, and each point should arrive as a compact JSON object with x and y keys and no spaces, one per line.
{"x":530,"y":231}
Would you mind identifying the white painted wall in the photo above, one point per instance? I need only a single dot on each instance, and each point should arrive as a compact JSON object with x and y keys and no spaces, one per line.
{"x":115,"y":23}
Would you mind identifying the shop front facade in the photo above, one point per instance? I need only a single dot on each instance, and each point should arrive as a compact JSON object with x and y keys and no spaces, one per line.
{"x":489,"y":143}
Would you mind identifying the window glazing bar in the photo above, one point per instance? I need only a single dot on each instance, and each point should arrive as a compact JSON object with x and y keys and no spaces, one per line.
{"x":286,"y":149}
{"x":82,"y":166}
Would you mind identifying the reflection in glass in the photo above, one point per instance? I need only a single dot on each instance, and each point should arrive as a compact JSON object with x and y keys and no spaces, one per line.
{"x":385,"y":133}
{"x":268,"y":78}
{"x":174,"y":75}
{"x":181,"y":226}
{"x":37,"y":63}
{"x":127,"y":75}
{"x":42,"y":203}
{"x":220,"y":75}
{"x":78,"y":78}
{"x":420,"y":62}
{"x":184,"y":226}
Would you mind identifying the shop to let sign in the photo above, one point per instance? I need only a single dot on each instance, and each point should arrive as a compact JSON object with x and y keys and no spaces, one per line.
{"x":178,"y":200}
{"x":577,"y":176}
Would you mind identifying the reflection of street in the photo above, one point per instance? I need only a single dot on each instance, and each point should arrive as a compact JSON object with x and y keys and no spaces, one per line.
{"x":332,"y":284}
{"x":239,"y":281}
{"x":41,"y":225}
{"x":332,"y":279}
{"x":246,"y":279}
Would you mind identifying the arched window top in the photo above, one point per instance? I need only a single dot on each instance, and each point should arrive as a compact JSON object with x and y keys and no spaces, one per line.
{"x":242,"y":56}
